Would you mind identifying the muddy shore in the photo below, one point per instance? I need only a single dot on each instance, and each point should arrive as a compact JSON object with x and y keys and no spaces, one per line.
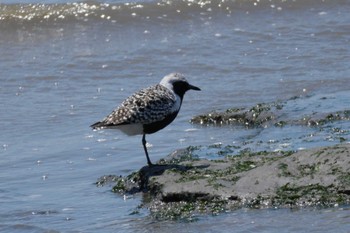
{"x":183,"y":186}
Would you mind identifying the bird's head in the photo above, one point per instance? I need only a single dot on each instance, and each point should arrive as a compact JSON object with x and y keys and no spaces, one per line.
{"x":177,"y":83}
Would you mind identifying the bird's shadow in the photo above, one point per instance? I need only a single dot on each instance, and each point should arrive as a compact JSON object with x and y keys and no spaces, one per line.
{"x":159,"y":169}
{"x":146,"y":172}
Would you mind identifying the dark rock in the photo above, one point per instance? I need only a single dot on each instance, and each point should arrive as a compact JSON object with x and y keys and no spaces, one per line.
{"x":267,"y":114}
{"x":255,"y":116}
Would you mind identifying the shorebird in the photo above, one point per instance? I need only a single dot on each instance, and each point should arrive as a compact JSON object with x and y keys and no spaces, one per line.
{"x":150,"y":109}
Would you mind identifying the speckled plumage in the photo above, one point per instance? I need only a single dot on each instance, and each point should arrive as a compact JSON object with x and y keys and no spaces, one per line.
{"x":145,"y":106}
{"x":149,"y":109}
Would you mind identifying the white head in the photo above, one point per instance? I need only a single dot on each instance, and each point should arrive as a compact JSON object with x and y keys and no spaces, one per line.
{"x":170,"y":79}
{"x":177,"y":83}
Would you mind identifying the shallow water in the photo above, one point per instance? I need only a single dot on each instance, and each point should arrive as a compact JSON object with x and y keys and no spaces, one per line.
{"x":65,"y":66}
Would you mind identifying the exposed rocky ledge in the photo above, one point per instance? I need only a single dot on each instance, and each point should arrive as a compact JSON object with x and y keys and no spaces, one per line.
{"x":183,"y":186}
{"x":271,"y":114}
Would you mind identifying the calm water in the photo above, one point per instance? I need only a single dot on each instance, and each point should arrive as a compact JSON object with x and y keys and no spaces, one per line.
{"x":64,"y":66}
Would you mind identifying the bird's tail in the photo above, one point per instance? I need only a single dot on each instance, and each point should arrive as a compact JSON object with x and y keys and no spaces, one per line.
{"x":97,"y":125}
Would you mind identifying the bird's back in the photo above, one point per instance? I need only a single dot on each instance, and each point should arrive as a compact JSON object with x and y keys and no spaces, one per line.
{"x":146,"y":106}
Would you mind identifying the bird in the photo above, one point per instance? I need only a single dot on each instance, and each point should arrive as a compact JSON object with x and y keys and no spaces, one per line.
{"x":149,"y":110}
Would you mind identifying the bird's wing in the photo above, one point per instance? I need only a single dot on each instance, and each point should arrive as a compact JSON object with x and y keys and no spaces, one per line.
{"x":145,"y":106}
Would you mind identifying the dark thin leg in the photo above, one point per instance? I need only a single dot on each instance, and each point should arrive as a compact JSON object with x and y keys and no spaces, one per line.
{"x":144,"y":147}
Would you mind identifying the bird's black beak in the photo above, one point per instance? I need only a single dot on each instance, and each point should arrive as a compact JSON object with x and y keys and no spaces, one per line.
{"x":191,"y":87}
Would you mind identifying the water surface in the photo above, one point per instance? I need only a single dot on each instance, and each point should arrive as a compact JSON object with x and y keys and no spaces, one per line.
{"x":66,"y":65}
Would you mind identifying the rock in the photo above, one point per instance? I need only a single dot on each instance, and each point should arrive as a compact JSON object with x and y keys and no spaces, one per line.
{"x":268,"y":114}
{"x":255,"y":116}
{"x":183,"y":186}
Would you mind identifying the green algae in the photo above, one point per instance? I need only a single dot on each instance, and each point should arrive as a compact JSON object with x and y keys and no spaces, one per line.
{"x":188,"y":211}
{"x":107,"y":179}
{"x":120,"y":186}
{"x":283,"y":167}
{"x":295,"y":195}
{"x":345,"y":179}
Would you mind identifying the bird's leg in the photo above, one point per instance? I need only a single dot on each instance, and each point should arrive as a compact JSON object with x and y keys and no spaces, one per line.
{"x":144,"y":147}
